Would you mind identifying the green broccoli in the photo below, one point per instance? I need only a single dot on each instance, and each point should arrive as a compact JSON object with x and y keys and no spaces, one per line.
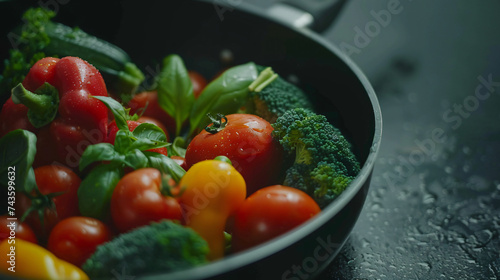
{"x":275,"y":97}
{"x":159,"y":247}
{"x":27,"y":49}
{"x":323,"y":161}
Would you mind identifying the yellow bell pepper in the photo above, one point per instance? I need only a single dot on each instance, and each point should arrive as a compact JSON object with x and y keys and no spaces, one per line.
{"x":212,"y":190}
{"x":27,"y":260}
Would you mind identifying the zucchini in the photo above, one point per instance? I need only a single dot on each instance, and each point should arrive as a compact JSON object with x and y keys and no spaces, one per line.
{"x":121,"y":75}
{"x":39,"y":36}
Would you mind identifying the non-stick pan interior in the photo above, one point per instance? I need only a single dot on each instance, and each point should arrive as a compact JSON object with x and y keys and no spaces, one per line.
{"x":198,"y":32}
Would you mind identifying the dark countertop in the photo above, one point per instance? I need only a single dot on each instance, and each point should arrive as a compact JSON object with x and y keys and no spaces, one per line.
{"x":433,"y":210}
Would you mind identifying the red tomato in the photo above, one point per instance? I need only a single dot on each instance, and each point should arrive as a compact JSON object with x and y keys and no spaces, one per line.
{"x":137,"y":200}
{"x":180,"y":161}
{"x":52,"y":180}
{"x":21,"y":230}
{"x":113,"y":129}
{"x":270,"y":212}
{"x":148,"y":101}
{"x":247,"y":142}
{"x":75,"y":239}
{"x":199,"y":82}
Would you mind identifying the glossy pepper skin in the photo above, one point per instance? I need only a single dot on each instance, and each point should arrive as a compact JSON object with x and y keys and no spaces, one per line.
{"x":32,"y":261}
{"x":211,"y":191}
{"x":80,"y":120}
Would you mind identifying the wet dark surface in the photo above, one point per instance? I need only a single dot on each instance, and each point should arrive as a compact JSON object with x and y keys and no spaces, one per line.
{"x":433,"y":210}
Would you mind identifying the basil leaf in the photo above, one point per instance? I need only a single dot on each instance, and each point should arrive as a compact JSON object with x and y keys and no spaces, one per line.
{"x":150,"y":131}
{"x":94,"y":193}
{"x":119,"y":112}
{"x":144,"y":144}
{"x":17,"y":153}
{"x":175,"y":90}
{"x":225,"y":94}
{"x":165,"y":165}
{"x":136,"y":159}
{"x":177,"y":147}
{"x":98,"y":152}
{"x":123,"y":141}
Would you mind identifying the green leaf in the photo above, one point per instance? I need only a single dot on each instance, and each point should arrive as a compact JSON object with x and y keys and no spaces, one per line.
{"x":136,"y":159}
{"x":150,"y":131}
{"x":98,"y":152}
{"x":144,"y":144}
{"x":94,"y":193}
{"x":175,"y":90}
{"x":178,"y":147}
{"x":165,"y":165}
{"x":17,"y":153}
{"x":119,"y":112}
{"x":224,"y":95}
{"x":123,"y":141}
{"x":148,"y":136}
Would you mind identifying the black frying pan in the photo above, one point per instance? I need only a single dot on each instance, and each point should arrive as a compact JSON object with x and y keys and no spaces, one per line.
{"x":149,"y":30}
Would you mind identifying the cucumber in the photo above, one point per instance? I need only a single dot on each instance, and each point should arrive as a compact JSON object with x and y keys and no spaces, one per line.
{"x":122,"y":77}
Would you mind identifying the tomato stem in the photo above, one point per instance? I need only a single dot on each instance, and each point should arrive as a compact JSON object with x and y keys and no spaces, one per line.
{"x":217,"y":123}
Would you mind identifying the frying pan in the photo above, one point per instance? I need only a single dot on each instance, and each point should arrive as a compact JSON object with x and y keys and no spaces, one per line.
{"x":199,"y":31}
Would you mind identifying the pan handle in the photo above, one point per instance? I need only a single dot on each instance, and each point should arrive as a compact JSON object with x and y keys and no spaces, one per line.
{"x":313,"y":14}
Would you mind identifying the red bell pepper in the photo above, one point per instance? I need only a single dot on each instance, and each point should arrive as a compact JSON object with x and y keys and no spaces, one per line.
{"x":54,"y":101}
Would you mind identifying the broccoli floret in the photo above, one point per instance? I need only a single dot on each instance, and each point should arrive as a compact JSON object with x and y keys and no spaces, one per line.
{"x":28,"y":45}
{"x":276,"y":98}
{"x":324,"y":164}
{"x":158,"y":247}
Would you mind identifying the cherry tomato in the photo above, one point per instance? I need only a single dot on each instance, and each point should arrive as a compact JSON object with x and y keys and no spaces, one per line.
{"x":148,"y":101}
{"x":21,"y":230}
{"x":76,"y":238}
{"x":113,"y":129}
{"x":199,"y":82}
{"x":180,"y":161}
{"x":137,"y":200}
{"x":270,"y":212}
{"x":58,"y":198}
{"x":246,"y":140}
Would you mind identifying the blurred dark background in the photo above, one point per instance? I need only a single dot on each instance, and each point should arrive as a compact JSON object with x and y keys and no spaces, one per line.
{"x":433,"y":210}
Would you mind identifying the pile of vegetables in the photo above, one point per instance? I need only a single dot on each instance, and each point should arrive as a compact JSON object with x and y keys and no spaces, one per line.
{"x":103,"y":177}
